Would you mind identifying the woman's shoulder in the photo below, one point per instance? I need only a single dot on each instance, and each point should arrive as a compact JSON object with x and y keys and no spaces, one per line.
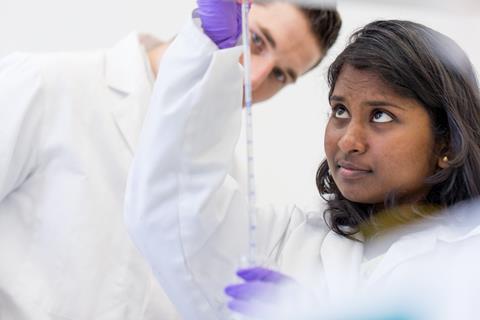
{"x":303,"y":220}
{"x":311,"y":214}
{"x":294,"y":215}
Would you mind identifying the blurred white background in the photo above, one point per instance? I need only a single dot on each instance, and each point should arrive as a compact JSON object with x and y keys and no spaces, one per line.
{"x":289,"y":128}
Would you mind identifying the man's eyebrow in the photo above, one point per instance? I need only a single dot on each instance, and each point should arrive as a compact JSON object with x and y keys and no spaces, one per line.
{"x":266,"y":33}
{"x":269,"y":37}
{"x":292,"y":75}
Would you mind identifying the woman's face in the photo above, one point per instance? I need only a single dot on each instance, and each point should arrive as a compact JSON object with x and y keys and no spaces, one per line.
{"x":377,"y":141}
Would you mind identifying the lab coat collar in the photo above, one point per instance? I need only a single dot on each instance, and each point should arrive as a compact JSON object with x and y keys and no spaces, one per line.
{"x":457,"y":224}
{"x":125,"y":64}
{"x":128,"y":73}
{"x":406,"y":248}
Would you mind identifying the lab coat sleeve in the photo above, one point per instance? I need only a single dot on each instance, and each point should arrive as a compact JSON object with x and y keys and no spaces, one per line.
{"x":178,"y":192}
{"x":21,"y":112}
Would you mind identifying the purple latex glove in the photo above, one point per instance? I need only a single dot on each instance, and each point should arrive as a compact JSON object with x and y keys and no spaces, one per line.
{"x":221,"y":21}
{"x":268,"y":294}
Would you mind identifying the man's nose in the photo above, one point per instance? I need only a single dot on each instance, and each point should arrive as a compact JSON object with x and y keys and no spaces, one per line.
{"x":262,"y":66}
{"x":353,"y":139}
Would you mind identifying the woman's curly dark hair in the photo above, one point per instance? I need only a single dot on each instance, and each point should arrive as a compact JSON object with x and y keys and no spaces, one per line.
{"x":423,"y":64}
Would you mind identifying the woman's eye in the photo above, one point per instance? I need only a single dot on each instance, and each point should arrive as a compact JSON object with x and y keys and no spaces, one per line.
{"x":340,"y":112}
{"x":279,"y":75}
{"x":381,"y":117}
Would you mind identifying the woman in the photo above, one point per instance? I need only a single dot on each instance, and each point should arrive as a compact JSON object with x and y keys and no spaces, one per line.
{"x":403,"y":134}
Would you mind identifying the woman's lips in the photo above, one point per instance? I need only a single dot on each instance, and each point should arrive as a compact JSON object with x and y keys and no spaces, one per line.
{"x":350,"y":170}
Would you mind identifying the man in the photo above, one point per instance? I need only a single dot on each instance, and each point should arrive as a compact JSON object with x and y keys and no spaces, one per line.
{"x":70,"y":127}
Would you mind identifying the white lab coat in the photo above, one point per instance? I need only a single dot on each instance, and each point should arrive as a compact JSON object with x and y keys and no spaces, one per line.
{"x":70,"y":123}
{"x":188,"y":216}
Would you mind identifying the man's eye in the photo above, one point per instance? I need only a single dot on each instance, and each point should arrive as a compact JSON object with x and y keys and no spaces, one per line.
{"x":257,"y":41}
{"x":279,"y":75}
{"x":381,"y":117}
{"x":340,"y":112}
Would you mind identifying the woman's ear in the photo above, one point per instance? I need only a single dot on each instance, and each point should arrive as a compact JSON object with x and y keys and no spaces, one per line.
{"x":443,"y":162}
{"x":442,"y":151}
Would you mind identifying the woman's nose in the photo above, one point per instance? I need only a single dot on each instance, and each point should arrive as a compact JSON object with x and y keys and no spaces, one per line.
{"x":353,"y":139}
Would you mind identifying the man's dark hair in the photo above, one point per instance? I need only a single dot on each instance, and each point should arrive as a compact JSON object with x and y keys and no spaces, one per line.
{"x":325,"y":25}
{"x":423,"y":64}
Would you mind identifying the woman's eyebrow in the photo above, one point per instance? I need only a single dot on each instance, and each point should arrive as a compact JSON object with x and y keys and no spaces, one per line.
{"x":370,"y":103}
{"x":381,"y":103}
{"x":336,"y":98}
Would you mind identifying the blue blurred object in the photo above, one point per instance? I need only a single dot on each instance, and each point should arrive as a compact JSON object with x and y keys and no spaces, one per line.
{"x":392,"y":316}
{"x":268,"y":294}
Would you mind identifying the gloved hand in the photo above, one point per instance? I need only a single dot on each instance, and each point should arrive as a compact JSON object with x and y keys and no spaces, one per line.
{"x":267,"y":294}
{"x":221,"y":21}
